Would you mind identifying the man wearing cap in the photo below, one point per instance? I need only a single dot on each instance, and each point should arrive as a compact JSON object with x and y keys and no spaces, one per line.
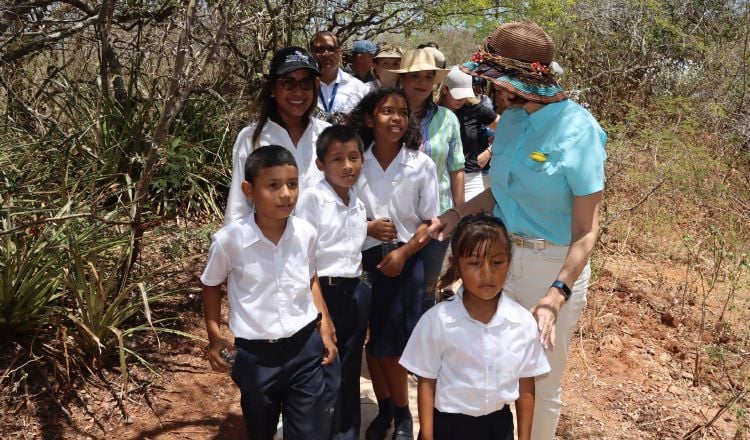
{"x":363,"y":52}
{"x":339,"y":92}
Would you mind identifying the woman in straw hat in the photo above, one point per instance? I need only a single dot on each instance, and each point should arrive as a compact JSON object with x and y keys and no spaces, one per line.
{"x":546,"y":182}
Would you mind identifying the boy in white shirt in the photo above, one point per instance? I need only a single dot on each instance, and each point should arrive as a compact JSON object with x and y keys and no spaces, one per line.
{"x":276,"y":311}
{"x":339,"y":216}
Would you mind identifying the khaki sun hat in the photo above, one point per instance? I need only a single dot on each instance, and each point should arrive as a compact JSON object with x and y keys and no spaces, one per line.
{"x":416,"y":60}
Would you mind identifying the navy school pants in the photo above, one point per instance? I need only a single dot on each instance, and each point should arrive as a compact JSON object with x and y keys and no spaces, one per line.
{"x":283,"y":377}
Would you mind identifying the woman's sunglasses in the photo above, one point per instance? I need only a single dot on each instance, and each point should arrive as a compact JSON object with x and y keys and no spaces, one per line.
{"x":288,"y":83}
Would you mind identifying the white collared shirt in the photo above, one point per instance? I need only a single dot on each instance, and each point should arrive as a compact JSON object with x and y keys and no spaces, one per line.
{"x":349,"y":92}
{"x":341,"y":229}
{"x":406,"y":192}
{"x":272,"y":134}
{"x":268,"y":284}
{"x":477,"y":365}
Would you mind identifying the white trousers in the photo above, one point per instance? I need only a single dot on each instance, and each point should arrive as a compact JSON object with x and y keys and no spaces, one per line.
{"x":475,"y":183}
{"x":530,"y":275}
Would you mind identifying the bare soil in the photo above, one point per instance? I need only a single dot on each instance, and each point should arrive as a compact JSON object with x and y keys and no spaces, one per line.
{"x":631,"y":375}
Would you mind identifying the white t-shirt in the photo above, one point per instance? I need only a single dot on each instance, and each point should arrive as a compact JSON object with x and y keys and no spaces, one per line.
{"x":268,"y":284}
{"x":349,"y":92}
{"x":272,"y":134}
{"x":341,"y":229}
{"x":406,"y":192}
{"x":477,"y":365}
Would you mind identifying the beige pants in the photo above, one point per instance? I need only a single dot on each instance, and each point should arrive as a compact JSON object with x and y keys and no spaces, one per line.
{"x":531,"y":274}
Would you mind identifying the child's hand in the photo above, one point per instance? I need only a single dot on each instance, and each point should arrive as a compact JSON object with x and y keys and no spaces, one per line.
{"x":382,"y":229}
{"x":328,"y":335}
{"x":214,"y":357}
{"x":392,"y":264}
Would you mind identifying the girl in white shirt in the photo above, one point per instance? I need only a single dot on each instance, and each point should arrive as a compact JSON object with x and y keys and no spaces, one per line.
{"x":398,"y":186}
{"x":479,"y":351}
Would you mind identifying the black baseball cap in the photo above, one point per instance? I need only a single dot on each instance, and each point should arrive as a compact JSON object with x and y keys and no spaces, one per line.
{"x":292,"y":58}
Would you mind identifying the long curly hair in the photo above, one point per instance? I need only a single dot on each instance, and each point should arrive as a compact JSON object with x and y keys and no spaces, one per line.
{"x":368,"y":105}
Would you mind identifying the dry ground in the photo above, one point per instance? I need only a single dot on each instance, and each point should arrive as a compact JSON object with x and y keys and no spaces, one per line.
{"x":630,"y":376}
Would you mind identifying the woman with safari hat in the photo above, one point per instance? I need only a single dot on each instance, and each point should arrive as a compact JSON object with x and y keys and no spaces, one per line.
{"x":546,"y":183}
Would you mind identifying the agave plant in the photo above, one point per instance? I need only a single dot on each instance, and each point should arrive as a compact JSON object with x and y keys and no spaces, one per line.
{"x":108,"y":303}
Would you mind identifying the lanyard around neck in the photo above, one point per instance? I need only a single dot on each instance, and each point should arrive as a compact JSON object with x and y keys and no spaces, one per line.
{"x":329,"y":107}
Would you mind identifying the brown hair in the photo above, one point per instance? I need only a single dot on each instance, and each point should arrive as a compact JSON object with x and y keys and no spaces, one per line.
{"x":474,"y":235}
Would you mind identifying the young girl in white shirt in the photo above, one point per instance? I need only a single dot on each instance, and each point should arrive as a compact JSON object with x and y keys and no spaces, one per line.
{"x":477,"y":351}
{"x":398,"y":186}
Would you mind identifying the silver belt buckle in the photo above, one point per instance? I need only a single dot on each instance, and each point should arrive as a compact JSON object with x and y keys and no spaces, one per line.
{"x":538,"y":244}
{"x":272,"y":341}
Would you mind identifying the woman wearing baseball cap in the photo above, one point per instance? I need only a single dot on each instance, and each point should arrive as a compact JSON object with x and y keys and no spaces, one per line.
{"x":286,"y":100}
{"x":546,"y":178}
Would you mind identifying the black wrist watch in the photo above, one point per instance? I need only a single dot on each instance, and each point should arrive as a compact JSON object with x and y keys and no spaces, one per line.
{"x":563,"y":288}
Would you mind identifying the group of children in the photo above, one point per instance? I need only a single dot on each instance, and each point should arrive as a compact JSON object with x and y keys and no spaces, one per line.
{"x":307,"y":275}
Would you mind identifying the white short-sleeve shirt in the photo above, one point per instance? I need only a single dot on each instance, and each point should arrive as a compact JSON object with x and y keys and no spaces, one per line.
{"x":268,"y":284}
{"x":341,"y":229}
{"x":406,"y":192}
{"x":272,"y":134}
{"x":477,"y":365}
{"x":348,"y":92}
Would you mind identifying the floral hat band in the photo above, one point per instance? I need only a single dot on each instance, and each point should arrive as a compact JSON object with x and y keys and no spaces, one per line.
{"x":483,"y":62}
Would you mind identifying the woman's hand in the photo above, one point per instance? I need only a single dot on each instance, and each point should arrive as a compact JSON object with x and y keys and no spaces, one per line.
{"x":392,"y":264}
{"x":483,"y":158}
{"x":382,"y":229}
{"x":545,"y":312}
{"x":442,"y":226}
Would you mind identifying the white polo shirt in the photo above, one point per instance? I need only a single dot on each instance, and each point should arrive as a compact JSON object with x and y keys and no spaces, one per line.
{"x":268,"y":285}
{"x":272,"y":134}
{"x":341,"y":229}
{"x":406,"y":192}
{"x":348,"y":92}
{"x":477,"y":365}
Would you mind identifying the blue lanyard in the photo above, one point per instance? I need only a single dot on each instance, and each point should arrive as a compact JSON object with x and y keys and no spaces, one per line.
{"x":329,"y":106}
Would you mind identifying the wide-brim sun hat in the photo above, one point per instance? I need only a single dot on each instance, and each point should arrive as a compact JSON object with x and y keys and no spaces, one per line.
{"x":518,"y":57}
{"x":459,"y":84}
{"x":417,"y":60}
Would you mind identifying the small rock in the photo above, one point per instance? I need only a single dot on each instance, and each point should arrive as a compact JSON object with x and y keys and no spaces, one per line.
{"x":611,"y":343}
{"x":664,"y":358}
{"x":687,"y":375}
{"x":677,"y":391}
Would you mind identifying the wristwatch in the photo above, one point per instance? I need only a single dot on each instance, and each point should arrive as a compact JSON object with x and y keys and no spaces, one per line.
{"x":563,"y":288}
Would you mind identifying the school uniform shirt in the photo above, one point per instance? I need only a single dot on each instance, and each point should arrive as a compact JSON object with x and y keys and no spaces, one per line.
{"x":342,"y":95}
{"x":272,"y":134}
{"x":342,"y":229}
{"x":406,"y":192}
{"x":268,"y":284}
{"x":441,"y":140}
{"x":540,"y":161}
{"x":477,"y":365}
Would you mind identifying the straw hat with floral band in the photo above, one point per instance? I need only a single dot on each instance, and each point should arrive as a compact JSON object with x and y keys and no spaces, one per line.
{"x":517,"y":57}
{"x":416,"y":60}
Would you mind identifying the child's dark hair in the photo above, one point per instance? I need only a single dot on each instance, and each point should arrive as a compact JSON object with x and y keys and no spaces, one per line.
{"x":336,"y":133}
{"x":367,"y":106}
{"x":266,"y":157}
{"x":474,"y":235}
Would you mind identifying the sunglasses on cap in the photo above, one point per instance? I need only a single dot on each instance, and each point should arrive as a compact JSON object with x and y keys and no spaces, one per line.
{"x":288,"y":83}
